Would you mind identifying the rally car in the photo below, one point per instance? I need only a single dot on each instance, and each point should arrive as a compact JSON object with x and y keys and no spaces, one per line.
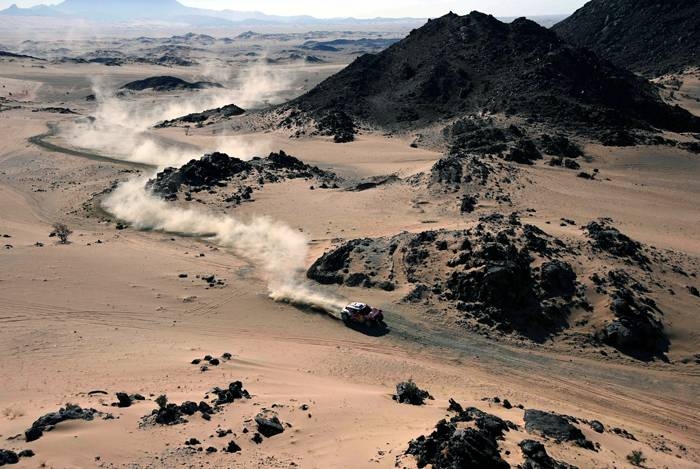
{"x":361,"y":314}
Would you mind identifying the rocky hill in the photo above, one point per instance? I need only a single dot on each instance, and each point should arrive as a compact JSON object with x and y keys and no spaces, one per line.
{"x":458,"y":65}
{"x":646,"y":36}
{"x":167,"y":83}
{"x":508,"y":277}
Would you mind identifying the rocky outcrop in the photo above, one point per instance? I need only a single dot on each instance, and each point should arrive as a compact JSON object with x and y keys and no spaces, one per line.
{"x":611,"y":240}
{"x":536,"y":457}
{"x":167,"y":83}
{"x":50,"y":420}
{"x":217,"y":170}
{"x":556,"y":427}
{"x":269,"y":423}
{"x":512,"y":278}
{"x":205,"y":117}
{"x":459,"y":65}
{"x":451,"y":446}
{"x":612,"y":28}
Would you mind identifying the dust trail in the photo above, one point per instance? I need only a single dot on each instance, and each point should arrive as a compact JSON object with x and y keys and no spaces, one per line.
{"x":121,"y":128}
{"x":276,"y":249}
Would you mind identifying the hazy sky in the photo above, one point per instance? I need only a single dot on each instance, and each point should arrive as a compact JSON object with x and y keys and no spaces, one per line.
{"x":370,"y":8}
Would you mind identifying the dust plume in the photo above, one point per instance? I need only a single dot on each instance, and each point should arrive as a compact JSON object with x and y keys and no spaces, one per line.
{"x":276,"y":249}
{"x":121,"y":129}
{"x":120,"y":126}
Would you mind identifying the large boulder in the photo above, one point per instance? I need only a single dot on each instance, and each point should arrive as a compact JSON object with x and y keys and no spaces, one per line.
{"x":554,"y":426}
{"x":451,"y":448}
{"x":536,"y":457}
{"x":48,"y":421}
{"x":269,"y":423}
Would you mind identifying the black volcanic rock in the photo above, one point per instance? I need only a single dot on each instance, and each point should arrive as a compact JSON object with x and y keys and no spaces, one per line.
{"x":218,"y":169}
{"x":459,"y":65}
{"x":648,"y":36}
{"x":225,"y":112}
{"x":554,"y":426}
{"x":50,"y":420}
{"x":8,"y":457}
{"x":453,"y":447}
{"x":205,"y":172}
{"x":536,"y":457}
{"x":167,"y":83}
{"x":611,"y":240}
{"x":269,"y":423}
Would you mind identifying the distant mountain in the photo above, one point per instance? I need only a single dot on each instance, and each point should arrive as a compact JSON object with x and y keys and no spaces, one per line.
{"x":174,"y":11}
{"x":39,"y":10}
{"x":456,"y":65}
{"x":648,"y":36}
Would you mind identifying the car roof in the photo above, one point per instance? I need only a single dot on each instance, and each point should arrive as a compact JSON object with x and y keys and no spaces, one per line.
{"x":357,"y":305}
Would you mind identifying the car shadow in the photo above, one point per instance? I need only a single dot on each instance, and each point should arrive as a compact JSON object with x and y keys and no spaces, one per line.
{"x":372,"y":331}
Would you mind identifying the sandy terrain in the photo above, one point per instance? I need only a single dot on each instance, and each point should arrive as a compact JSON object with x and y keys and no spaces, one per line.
{"x":115,"y":315}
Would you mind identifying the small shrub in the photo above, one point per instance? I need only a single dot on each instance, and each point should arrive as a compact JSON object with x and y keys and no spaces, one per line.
{"x":408,"y":392}
{"x":636,"y":458}
{"x":61,"y":231}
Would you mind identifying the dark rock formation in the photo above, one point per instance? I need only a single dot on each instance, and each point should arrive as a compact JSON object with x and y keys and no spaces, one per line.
{"x":124,"y":400}
{"x":8,"y":457}
{"x":635,"y":329}
{"x":610,"y":239}
{"x":611,"y":28}
{"x":173,"y":414}
{"x":234,"y":391}
{"x":232,"y":447}
{"x":339,"y":125}
{"x":167,"y":83}
{"x":205,"y":172}
{"x":218,"y":169}
{"x":450,"y":447}
{"x":560,"y":145}
{"x":269,"y":423}
{"x":225,"y":112}
{"x":536,"y":457}
{"x":48,"y":421}
{"x":459,"y":65}
{"x":597,"y":426}
{"x":556,"y":427}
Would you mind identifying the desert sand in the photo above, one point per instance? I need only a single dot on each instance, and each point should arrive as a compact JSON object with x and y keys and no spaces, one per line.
{"x":112,"y":310}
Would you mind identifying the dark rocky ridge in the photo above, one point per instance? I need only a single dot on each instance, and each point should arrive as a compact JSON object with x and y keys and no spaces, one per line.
{"x":49,"y":421}
{"x":508,"y":277}
{"x":648,"y":36}
{"x":167,"y":83}
{"x":219,"y":169}
{"x":450,"y":446}
{"x":456,"y":65}
{"x":201,"y":118}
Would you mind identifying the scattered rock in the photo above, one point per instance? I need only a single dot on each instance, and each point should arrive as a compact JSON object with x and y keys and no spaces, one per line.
{"x":49,"y":421}
{"x":8,"y":457}
{"x":231,"y":393}
{"x":269,"y":423}
{"x":536,"y":457}
{"x":597,"y":426}
{"x":610,"y":240}
{"x":124,"y":400}
{"x":232,"y":447}
{"x":555,"y":426}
